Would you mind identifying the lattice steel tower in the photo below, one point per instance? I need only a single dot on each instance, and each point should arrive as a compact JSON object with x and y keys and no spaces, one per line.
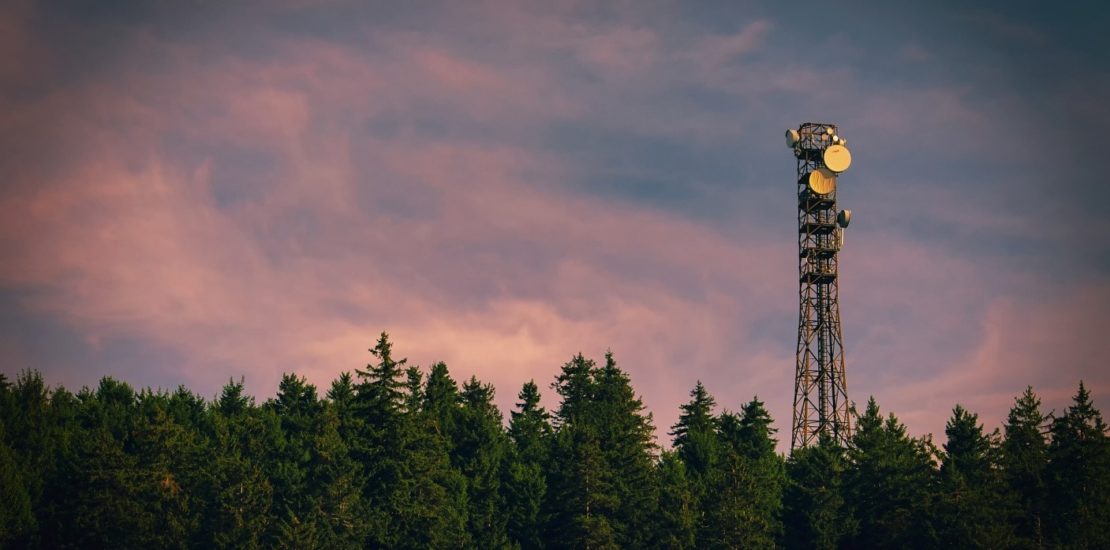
{"x":820,"y":389}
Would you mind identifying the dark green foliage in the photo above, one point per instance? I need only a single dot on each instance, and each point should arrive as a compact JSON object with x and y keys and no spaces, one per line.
{"x":601,"y":484}
{"x":743,"y":508}
{"x":16,"y":518}
{"x":1079,"y":477}
{"x":525,"y":483}
{"x":695,"y":434}
{"x":971,"y":510}
{"x":581,"y":498}
{"x":1024,"y":459}
{"x":815,"y":514}
{"x":676,"y":523}
{"x":413,"y":498}
{"x":481,"y":453}
{"x":888,"y":484}
{"x":402,"y":458}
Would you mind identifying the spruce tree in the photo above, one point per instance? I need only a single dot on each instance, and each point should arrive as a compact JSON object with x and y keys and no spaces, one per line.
{"x":336,"y":482}
{"x":413,"y":496}
{"x":240,"y":492}
{"x":441,"y":402}
{"x":744,"y":505}
{"x":580,"y":501}
{"x":676,"y":522}
{"x":815,"y":514}
{"x":481,"y":453}
{"x":297,"y":406}
{"x":525,"y":483}
{"x":627,"y":439}
{"x":888,"y":484}
{"x":1079,"y":477}
{"x":1024,"y":459}
{"x":695,"y":433}
{"x":970,"y":511}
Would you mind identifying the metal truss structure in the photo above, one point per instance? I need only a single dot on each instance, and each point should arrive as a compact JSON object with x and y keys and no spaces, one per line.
{"x":821,"y":406}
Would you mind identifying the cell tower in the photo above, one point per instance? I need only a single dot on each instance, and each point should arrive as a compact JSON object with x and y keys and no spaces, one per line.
{"x":821,"y":404}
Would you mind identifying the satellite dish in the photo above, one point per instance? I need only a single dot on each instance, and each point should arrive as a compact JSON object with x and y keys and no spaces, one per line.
{"x":837,"y":158}
{"x":792,"y":137}
{"x":821,"y":181}
{"x":844,"y":218}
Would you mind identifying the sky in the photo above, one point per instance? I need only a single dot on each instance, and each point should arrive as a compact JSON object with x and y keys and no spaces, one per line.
{"x":197,"y":191}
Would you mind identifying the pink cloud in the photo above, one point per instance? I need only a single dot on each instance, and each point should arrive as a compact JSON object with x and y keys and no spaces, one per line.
{"x":472,"y":251}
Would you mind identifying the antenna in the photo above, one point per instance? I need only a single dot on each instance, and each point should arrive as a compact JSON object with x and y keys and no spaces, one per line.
{"x":820,"y":389}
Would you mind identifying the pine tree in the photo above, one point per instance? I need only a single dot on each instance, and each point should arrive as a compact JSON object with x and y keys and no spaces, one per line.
{"x":744,"y":507}
{"x":336,"y":482}
{"x":676,"y":522}
{"x":241,"y":494}
{"x":971,"y":511}
{"x":815,"y":514}
{"x":581,"y":500}
{"x":297,"y":407}
{"x":1024,"y":459}
{"x":627,"y":439}
{"x":1079,"y":477}
{"x":441,"y":403}
{"x":695,"y":433}
{"x":16,"y":519}
{"x":888,"y":484}
{"x":414,"y":497}
{"x":525,"y":484}
{"x":576,"y":386}
{"x":481,"y":452}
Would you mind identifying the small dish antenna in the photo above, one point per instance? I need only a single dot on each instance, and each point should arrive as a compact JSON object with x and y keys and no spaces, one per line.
{"x":844,"y":218}
{"x":792,"y":137}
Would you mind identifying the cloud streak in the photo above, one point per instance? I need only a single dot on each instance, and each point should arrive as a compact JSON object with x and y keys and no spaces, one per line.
{"x":572,"y":181}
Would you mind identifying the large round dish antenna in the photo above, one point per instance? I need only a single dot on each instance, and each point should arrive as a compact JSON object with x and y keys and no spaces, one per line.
{"x":821,"y":181}
{"x":844,"y":218}
{"x":792,"y":137}
{"x":837,"y":158}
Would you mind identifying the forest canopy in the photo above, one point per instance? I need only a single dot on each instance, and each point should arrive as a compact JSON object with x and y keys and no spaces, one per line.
{"x":395,"y":456}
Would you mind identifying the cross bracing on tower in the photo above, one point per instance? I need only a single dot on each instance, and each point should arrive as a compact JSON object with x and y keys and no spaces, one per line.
{"x":821,"y":406}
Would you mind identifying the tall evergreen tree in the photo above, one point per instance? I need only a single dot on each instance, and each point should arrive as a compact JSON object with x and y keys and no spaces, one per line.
{"x":336,"y":482}
{"x":744,"y":508}
{"x":970,"y":511}
{"x":415,"y":499}
{"x":676,"y":522}
{"x":581,"y":500}
{"x":1079,"y":477}
{"x":297,"y":406}
{"x":888,"y":484}
{"x":525,"y":485}
{"x":695,"y":433}
{"x":481,"y":453}
{"x":16,"y":519}
{"x":1024,"y":459}
{"x":241,"y":493}
{"x":442,"y":402}
{"x":815,"y":514}
{"x":627,"y":438}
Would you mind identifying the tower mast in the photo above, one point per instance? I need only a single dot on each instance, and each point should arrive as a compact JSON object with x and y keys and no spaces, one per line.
{"x":821,"y":406}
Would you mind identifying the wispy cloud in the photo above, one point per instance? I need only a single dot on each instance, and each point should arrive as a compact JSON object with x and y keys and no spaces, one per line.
{"x":490,"y":192}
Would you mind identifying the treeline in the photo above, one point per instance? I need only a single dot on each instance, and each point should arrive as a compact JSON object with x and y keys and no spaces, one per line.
{"x":392,"y":458}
